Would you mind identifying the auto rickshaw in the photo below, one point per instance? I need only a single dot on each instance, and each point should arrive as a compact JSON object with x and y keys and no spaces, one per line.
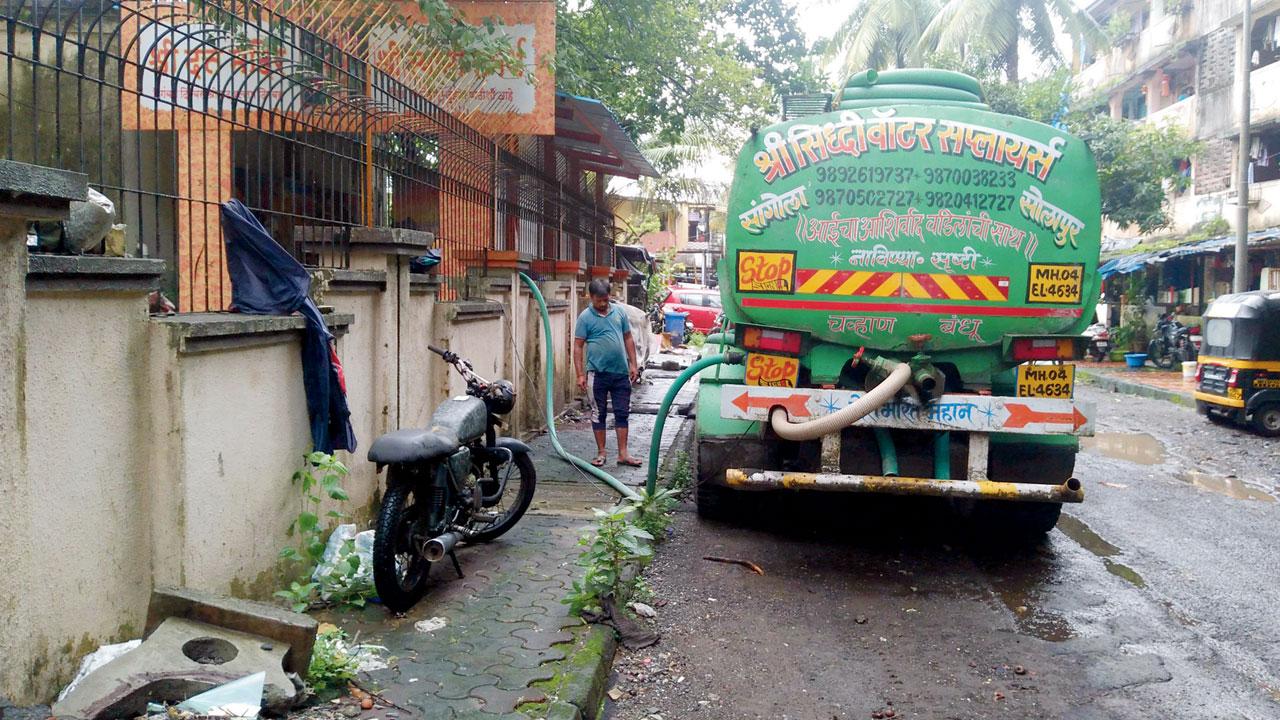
{"x":1238,"y":379}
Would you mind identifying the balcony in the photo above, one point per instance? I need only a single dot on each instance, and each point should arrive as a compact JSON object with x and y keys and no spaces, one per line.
{"x":1264,"y":96}
{"x":1134,"y":55}
{"x":1181,"y":113}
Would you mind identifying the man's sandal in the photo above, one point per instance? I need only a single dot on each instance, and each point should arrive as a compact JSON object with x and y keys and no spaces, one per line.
{"x":599,"y":461}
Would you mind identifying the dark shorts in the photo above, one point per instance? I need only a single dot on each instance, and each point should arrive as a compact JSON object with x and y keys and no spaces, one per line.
{"x":602,"y":386}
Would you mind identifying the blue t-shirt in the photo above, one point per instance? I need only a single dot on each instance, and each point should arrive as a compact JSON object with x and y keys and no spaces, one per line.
{"x":606,"y":351}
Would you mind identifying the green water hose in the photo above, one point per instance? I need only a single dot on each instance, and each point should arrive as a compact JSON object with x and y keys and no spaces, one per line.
{"x":599,"y":474}
{"x":888,"y":453}
{"x":942,"y":456}
{"x":730,"y":358}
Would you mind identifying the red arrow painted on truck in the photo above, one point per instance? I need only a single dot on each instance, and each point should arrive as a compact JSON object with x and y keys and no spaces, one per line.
{"x":796,"y":405}
{"x":1021,"y":415}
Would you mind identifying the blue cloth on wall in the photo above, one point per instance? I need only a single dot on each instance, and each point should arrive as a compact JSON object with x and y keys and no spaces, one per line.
{"x":266,"y":280}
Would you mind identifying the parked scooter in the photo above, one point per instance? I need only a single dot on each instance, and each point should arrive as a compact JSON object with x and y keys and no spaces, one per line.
{"x":457,"y":481}
{"x":1099,"y":345}
{"x":1172,"y":344}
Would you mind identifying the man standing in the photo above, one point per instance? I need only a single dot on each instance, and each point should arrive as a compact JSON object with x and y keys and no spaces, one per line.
{"x":609,"y":368}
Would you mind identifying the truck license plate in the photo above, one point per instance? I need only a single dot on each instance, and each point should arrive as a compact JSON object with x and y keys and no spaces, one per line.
{"x":1047,"y":381}
{"x":772,"y":370}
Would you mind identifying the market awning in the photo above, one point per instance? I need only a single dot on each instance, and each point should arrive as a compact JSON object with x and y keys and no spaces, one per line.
{"x":587,"y":133}
{"x":1133,"y":262}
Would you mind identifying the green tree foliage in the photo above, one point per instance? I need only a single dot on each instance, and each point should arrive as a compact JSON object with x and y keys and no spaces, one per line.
{"x":481,"y":48}
{"x":884,"y":34}
{"x":769,"y":40}
{"x":1137,"y":166}
{"x":993,"y":28}
{"x":881,"y":34}
{"x":665,"y":66}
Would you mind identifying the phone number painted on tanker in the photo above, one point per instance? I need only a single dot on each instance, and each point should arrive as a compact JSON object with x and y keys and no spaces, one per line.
{"x":904,"y":198}
{"x":904,"y":175}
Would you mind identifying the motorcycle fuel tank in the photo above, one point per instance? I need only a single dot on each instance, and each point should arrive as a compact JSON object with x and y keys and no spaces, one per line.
{"x":466,"y":416}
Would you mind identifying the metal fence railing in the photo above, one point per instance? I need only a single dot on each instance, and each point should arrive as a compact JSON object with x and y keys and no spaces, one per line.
{"x":171,"y":108}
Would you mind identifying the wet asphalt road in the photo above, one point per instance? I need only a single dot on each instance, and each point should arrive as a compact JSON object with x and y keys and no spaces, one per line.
{"x":1159,"y":597}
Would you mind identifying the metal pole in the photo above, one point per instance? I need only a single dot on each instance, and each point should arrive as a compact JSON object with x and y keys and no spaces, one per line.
{"x":1241,"y":282}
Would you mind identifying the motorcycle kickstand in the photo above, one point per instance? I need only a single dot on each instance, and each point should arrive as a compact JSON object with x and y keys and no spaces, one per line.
{"x":457,"y":567}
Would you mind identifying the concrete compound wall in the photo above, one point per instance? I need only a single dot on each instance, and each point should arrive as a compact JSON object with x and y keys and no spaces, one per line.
{"x":156,"y":451}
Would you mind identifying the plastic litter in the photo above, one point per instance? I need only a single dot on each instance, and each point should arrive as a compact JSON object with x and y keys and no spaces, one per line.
{"x":88,"y":222}
{"x":368,"y":657}
{"x":643,"y":610}
{"x":239,"y":699}
{"x":97,"y":659}
{"x":430,"y":624}
{"x":331,"y":575}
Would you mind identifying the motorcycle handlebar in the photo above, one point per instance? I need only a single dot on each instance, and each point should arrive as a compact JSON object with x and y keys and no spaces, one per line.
{"x":461,"y":365}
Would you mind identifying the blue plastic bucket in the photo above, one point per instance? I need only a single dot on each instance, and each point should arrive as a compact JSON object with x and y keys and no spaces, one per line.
{"x":1135,"y":360}
{"x":673,"y":323}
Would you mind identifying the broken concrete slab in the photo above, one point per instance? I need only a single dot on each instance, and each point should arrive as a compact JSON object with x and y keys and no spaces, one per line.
{"x":294,"y":630}
{"x":179,"y":659}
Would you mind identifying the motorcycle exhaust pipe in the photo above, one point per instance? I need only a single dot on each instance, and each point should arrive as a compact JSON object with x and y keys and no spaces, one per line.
{"x":437,"y":548}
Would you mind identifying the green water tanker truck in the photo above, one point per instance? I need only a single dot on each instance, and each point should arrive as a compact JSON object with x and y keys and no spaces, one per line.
{"x":907,"y":276}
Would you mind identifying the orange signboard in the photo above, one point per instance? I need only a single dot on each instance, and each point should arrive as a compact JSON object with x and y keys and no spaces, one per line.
{"x":772,"y":370}
{"x":187,"y":62}
{"x":766,"y":272}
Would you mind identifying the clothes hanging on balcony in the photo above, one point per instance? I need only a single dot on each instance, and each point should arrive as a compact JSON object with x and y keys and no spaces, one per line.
{"x":266,"y":280}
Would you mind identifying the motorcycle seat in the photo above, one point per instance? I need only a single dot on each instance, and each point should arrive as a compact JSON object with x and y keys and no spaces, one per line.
{"x":413,"y":445}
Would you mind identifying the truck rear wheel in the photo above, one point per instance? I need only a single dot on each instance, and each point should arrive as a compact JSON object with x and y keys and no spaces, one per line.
{"x":713,"y":501}
{"x":1026,"y":520}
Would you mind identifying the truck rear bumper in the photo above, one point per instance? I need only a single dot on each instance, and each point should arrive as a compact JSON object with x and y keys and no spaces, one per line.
{"x":748,"y":479}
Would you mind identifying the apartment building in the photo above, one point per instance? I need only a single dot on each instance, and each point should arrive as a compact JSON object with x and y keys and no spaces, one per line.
{"x":1177,"y":61}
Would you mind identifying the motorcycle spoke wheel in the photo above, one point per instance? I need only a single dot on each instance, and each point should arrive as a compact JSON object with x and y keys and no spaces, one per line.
{"x":400,"y":571}
{"x":515,"y":499}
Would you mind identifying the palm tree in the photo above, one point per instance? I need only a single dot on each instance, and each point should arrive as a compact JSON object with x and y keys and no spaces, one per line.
{"x":995,"y":27}
{"x":896,"y":33}
{"x":882,"y":34}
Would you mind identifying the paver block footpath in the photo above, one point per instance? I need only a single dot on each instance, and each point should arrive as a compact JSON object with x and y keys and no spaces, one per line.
{"x":1159,"y":386}
{"x":509,"y":647}
{"x":295,"y":630}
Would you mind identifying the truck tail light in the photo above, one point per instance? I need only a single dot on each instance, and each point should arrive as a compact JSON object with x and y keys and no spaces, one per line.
{"x":1199,"y":374}
{"x":1233,"y":380}
{"x":771,"y":340}
{"x":1043,"y":349}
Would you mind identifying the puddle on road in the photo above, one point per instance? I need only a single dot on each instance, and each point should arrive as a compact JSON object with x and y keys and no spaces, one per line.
{"x":1124,"y":572}
{"x":1086,"y":537}
{"x":1031,"y":619}
{"x":1093,"y":542}
{"x":1139,"y":448}
{"x":1231,"y":487}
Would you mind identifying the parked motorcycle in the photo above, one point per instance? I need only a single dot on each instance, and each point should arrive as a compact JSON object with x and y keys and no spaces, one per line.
{"x":1172,"y":344}
{"x":1099,"y":345}
{"x":457,"y":481}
